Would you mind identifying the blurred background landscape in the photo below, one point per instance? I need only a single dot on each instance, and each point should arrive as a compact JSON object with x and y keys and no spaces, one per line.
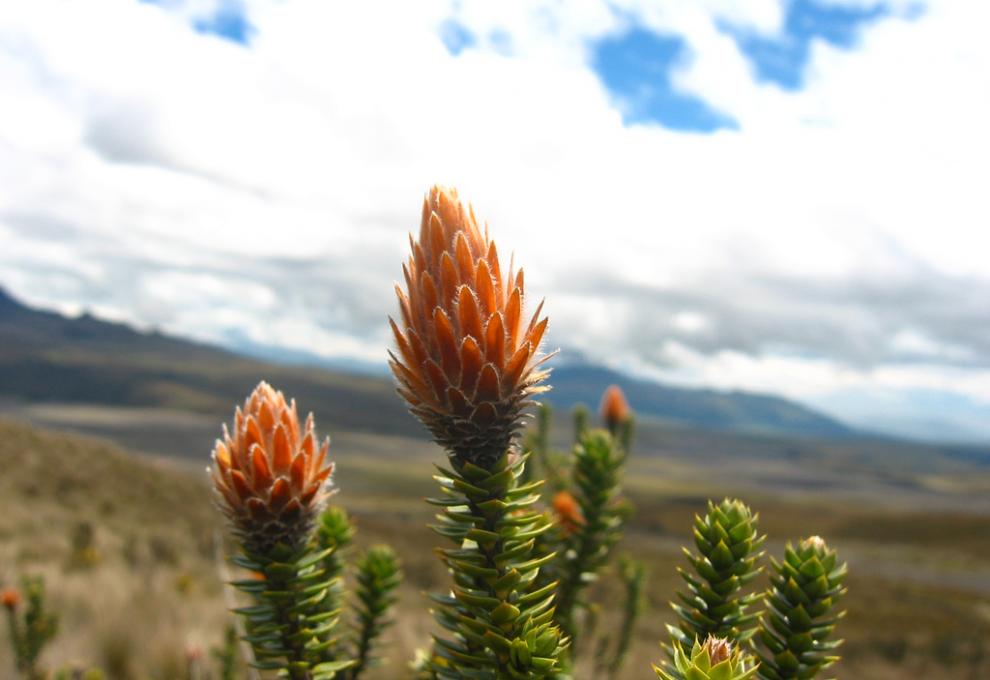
{"x":766,"y":221}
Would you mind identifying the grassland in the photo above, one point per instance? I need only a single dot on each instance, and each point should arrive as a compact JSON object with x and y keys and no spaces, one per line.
{"x":915,"y":535}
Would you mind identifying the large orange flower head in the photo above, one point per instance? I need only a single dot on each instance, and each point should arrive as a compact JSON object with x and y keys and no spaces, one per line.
{"x":270,"y":475}
{"x":467,"y":360}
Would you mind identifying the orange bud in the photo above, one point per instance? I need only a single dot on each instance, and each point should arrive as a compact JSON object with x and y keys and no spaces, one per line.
{"x":568,"y":512}
{"x":467,"y":360}
{"x":10,"y":598}
{"x":614,"y":408}
{"x":271,"y":475}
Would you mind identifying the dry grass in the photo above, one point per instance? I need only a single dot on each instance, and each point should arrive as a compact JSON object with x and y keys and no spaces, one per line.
{"x":919,"y":592}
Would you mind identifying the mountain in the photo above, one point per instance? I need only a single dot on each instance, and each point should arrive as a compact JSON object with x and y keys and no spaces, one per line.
{"x":704,"y":408}
{"x":47,"y":357}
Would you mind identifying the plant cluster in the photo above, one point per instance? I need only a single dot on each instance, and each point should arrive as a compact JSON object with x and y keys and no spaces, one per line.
{"x":528,"y":530}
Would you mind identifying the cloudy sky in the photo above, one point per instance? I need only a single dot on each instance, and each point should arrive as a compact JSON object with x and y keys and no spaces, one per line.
{"x":770,"y":195}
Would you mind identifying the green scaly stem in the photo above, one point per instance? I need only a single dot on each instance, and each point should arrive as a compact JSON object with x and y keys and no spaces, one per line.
{"x":728,"y":545}
{"x":500,"y":623}
{"x":597,"y":463}
{"x":800,"y":619}
{"x":286,"y":626}
{"x":378,"y":576}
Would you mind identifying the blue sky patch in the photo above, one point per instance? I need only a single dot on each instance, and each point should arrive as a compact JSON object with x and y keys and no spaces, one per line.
{"x":782,"y":59}
{"x":229,"y":22}
{"x":456,"y":36}
{"x":636,"y":65}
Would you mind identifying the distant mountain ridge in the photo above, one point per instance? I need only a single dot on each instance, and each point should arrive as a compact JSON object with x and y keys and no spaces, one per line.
{"x":45,"y":356}
{"x":705,"y":408}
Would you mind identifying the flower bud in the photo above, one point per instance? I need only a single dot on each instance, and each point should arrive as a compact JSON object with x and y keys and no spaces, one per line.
{"x":467,"y":361}
{"x":567,"y":512}
{"x":270,"y":475}
{"x":718,"y":649}
{"x":614,"y":408}
{"x":10,"y":599}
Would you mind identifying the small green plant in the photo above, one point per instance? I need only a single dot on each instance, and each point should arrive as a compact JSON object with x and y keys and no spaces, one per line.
{"x":799,"y":620}
{"x":225,"y":654}
{"x":378,"y":576}
{"x":31,"y":625}
{"x":716,"y":659}
{"x":632,"y":573}
{"x":588,"y":544}
{"x":271,"y":478}
{"x":589,"y":516}
{"x":800,"y":617}
{"x":334,"y":534}
{"x":728,"y":546}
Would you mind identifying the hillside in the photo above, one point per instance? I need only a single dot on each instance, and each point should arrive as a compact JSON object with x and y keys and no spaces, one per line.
{"x":148,"y":589}
{"x":46,"y":357}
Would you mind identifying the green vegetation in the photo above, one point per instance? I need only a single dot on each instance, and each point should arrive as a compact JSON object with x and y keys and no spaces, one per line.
{"x":922,"y":560}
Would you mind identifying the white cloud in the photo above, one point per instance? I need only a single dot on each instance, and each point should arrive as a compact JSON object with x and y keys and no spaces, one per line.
{"x":160,"y":152}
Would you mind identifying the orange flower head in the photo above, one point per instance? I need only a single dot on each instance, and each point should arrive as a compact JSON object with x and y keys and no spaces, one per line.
{"x":467,"y":361}
{"x":10,"y":599}
{"x":568,"y":512}
{"x":614,"y":409}
{"x":271,"y":476}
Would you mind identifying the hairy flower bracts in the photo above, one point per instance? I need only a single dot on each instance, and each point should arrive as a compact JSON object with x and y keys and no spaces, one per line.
{"x":270,"y":474}
{"x":467,"y":360}
{"x":588,"y":543}
{"x":378,"y":576}
{"x":728,"y":547}
{"x":800,"y":615}
{"x":716,"y":659}
{"x":270,"y":477}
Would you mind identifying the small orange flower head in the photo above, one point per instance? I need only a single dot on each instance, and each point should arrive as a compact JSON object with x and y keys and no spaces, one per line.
{"x":568,"y":512}
{"x":467,"y":361}
{"x":614,"y":409}
{"x":271,"y":475}
{"x":10,"y":599}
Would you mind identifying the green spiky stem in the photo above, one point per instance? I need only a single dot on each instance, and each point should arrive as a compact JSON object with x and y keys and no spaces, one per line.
{"x":16,"y":641}
{"x":728,"y":547}
{"x":581,"y":417}
{"x":597,"y":463}
{"x":501,"y":624}
{"x":378,"y":576}
{"x":633,"y":576}
{"x":226,"y":654}
{"x":286,"y":626}
{"x":799,"y":620}
{"x":334,"y":534}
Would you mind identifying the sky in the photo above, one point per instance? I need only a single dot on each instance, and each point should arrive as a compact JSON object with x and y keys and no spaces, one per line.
{"x":781,"y":196}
